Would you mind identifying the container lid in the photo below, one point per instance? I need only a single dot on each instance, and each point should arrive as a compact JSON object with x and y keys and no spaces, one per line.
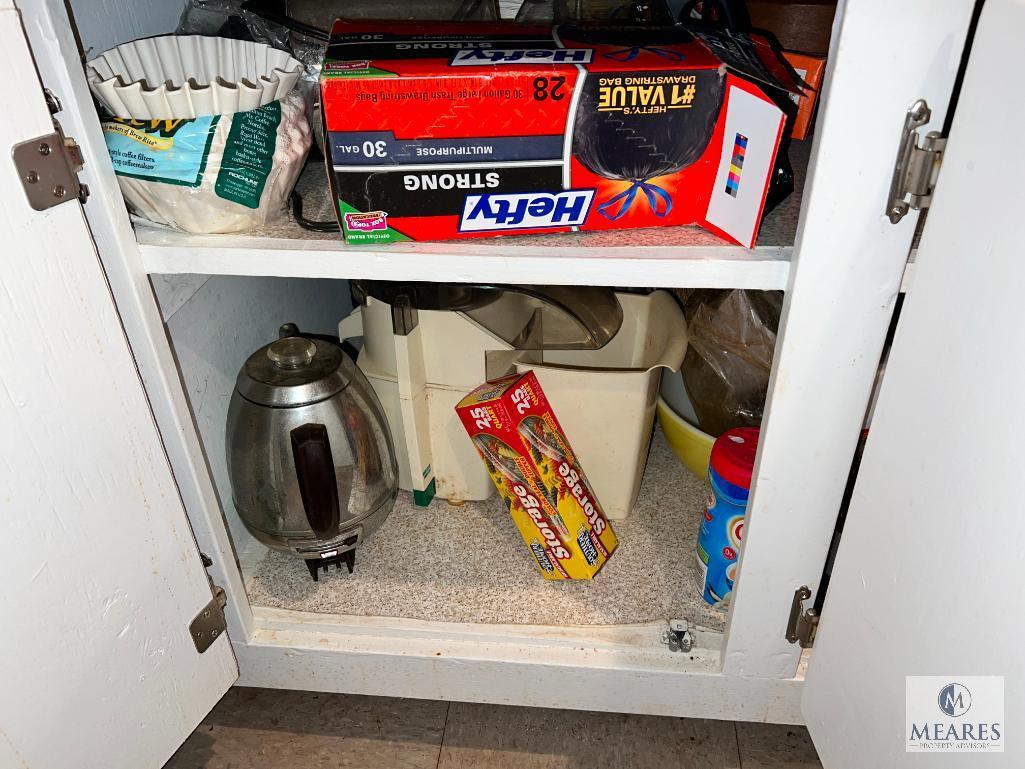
{"x":733,"y":455}
{"x":552,"y":317}
{"x":525,"y":317}
{"x":294,"y":371}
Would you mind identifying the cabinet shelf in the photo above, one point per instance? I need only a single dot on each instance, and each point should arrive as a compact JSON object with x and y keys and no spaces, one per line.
{"x":468,"y":564}
{"x":666,"y":256}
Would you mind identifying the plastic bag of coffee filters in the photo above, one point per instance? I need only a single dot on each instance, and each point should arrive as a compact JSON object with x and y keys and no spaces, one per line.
{"x":212,"y":174}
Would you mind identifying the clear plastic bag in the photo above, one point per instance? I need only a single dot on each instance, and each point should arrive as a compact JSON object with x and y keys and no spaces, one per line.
{"x":731,"y":340}
{"x":208,"y":17}
{"x":227,"y":18}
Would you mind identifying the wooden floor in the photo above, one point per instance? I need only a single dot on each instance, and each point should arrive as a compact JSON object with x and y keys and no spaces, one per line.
{"x":272,"y":729}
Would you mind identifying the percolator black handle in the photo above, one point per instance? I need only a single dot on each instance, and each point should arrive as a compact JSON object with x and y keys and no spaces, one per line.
{"x":315,"y":472}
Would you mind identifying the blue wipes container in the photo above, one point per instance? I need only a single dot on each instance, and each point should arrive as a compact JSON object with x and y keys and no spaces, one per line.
{"x":722,"y":529}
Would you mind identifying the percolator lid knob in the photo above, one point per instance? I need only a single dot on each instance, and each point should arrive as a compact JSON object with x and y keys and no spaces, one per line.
{"x":292,"y":352}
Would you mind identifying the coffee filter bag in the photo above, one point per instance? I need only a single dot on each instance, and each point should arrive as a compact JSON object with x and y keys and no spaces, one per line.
{"x":212,"y":174}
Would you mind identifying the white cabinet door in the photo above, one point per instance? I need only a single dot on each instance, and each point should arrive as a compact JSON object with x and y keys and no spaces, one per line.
{"x":99,"y":571}
{"x":846,"y":274}
{"x":929,"y":576}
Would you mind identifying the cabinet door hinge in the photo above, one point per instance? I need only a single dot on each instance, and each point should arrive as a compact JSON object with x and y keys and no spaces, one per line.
{"x":209,"y":624}
{"x":803,"y":621}
{"x":917,"y":165}
{"x":677,"y":636}
{"x":48,"y":166}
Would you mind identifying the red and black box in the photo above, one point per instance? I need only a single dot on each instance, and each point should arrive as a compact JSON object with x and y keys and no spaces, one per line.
{"x":440,"y":130}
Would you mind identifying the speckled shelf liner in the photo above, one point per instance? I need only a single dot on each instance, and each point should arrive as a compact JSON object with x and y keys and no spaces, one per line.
{"x":778,"y":229}
{"x":469,"y":564}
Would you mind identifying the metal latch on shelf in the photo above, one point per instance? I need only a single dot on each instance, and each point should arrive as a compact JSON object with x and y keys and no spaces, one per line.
{"x":917,"y":166}
{"x":677,"y":636}
{"x":804,"y":621}
{"x":48,"y":166}
{"x":209,"y":624}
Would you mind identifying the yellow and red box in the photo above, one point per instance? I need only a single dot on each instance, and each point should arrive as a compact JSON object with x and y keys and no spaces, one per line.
{"x":530,"y":460}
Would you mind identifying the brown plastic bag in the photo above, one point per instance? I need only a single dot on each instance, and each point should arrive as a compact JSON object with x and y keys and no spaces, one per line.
{"x":732,"y":336}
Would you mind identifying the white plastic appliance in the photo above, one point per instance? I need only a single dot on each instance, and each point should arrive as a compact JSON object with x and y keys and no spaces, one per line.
{"x":605,"y":398}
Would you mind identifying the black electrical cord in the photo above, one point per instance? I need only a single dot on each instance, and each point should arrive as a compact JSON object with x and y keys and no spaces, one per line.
{"x":308,"y":224}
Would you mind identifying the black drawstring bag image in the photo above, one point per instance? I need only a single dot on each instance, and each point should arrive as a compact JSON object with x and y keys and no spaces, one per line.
{"x":640,"y":147}
{"x":622,"y":134}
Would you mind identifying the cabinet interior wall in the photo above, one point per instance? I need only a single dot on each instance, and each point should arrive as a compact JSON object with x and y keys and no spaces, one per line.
{"x":102,"y":24}
{"x":217,"y":327}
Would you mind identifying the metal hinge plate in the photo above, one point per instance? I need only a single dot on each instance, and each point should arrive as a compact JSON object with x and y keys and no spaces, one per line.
{"x":678,"y":636}
{"x":48,"y":167}
{"x":804,"y":622}
{"x":918,"y":164}
{"x":209,"y":623}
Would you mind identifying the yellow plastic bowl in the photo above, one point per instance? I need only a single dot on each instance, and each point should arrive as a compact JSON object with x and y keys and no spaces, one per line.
{"x":692,"y":446}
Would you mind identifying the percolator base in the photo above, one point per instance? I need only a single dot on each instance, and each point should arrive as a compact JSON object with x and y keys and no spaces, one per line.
{"x":348,"y":558}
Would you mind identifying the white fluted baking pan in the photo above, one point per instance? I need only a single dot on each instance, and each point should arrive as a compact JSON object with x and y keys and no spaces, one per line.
{"x":190,"y":76}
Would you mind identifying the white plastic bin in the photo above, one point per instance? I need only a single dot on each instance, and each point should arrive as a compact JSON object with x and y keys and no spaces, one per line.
{"x":605,"y":398}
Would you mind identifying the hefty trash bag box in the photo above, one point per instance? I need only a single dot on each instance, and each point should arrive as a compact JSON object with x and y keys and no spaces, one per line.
{"x":538,"y":477}
{"x":440,"y":130}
